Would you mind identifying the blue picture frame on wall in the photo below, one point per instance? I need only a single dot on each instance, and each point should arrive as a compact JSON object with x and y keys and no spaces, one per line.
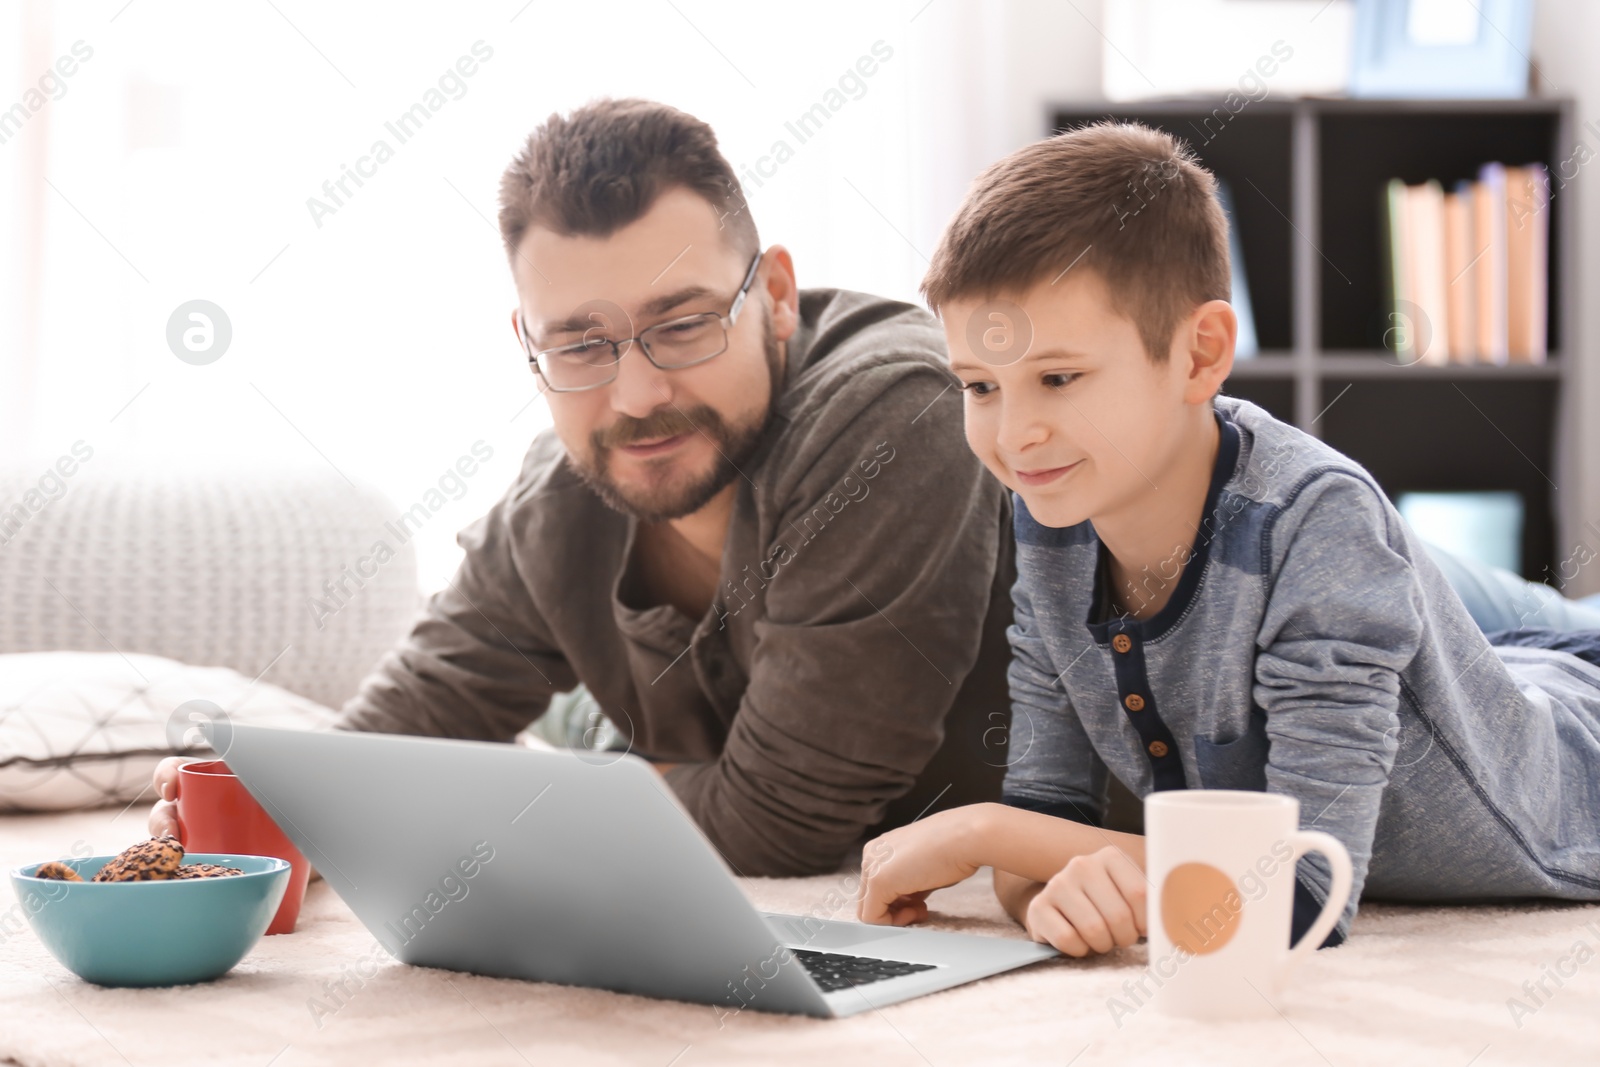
{"x":1421,"y":48}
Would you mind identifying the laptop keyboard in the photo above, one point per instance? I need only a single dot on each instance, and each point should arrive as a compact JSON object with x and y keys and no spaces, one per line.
{"x":834,"y":970}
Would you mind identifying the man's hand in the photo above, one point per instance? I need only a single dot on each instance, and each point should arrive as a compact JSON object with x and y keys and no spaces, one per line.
{"x":164,"y":816}
{"x":1093,"y":904}
{"x":900,"y":868}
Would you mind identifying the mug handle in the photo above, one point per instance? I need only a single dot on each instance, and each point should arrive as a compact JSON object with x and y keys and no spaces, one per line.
{"x":1304,"y":841}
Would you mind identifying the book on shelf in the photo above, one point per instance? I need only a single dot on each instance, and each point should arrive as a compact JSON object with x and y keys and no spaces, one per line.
{"x":1468,"y":269}
{"x":1428,"y":281}
{"x":1527,"y":241}
{"x":1460,"y":302}
{"x":1489,"y":218}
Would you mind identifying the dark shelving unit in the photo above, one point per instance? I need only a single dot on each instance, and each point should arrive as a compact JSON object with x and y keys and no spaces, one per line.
{"x":1308,"y":179}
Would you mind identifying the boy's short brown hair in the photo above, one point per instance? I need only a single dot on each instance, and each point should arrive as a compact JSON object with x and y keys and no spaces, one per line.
{"x":1126,"y":201}
{"x":601,"y":167}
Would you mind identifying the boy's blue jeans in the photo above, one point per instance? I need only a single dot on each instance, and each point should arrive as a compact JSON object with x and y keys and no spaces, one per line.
{"x":1500,"y":601}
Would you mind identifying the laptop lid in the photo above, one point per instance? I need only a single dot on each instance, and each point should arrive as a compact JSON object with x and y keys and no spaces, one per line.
{"x":571,"y":867}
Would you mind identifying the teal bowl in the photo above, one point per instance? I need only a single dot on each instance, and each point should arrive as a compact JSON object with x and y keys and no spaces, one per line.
{"x":153,"y":933}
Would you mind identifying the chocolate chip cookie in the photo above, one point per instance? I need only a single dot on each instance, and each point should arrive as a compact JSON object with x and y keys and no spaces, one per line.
{"x":57,"y":871}
{"x":148,"y":861}
{"x":205,"y":870}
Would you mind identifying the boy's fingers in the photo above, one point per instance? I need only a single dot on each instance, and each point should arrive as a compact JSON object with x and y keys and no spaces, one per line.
{"x":1074,"y":904}
{"x":1088,"y":922}
{"x":1106,"y":897}
{"x":1047,"y":924}
{"x":908,"y":910}
{"x":873,"y":901}
{"x":1135,"y":889}
{"x":899,"y":909}
{"x":877,"y":898}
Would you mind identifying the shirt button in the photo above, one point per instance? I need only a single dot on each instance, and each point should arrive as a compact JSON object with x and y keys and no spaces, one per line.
{"x":1134,"y":702}
{"x":1121,"y":643}
{"x":1158,"y":749}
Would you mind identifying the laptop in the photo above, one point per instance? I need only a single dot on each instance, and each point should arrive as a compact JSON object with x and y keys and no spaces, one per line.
{"x":574,"y":867}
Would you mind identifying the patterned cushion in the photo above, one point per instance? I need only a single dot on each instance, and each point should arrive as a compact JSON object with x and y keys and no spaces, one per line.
{"x":86,"y":729}
{"x":262,"y":570}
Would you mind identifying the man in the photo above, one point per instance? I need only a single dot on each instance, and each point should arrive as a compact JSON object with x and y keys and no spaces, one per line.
{"x":754,"y":534}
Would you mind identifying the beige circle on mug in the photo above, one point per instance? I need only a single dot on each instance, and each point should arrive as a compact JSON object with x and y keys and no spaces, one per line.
{"x":1191,"y":894}
{"x":1222,"y":864}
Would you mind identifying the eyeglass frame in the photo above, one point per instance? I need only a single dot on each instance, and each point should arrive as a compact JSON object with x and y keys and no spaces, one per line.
{"x":727,"y":321}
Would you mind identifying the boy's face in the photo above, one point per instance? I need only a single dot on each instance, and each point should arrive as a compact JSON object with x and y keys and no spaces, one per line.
{"x":1063,"y":404}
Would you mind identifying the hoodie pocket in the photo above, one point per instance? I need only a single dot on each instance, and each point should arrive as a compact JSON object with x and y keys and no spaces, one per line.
{"x":1237,"y":764}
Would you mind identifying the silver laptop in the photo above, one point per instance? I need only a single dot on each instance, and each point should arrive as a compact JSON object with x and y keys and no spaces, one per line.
{"x":574,"y":867}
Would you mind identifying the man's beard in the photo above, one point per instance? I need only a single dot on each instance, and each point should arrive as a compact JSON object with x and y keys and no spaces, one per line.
{"x":734,"y":445}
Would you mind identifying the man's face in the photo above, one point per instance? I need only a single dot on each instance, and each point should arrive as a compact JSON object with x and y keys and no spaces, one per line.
{"x":1061,"y":401}
{"x":657,"y":443}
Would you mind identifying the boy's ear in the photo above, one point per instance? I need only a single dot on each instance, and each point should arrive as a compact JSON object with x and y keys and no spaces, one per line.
{"x":1213,"y":329}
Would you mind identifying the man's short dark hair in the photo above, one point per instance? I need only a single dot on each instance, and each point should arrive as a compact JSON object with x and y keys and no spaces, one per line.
{"x":600,"y":168}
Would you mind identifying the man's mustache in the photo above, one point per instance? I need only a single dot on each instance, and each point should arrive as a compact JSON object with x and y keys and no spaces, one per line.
{"x":666,"y":422}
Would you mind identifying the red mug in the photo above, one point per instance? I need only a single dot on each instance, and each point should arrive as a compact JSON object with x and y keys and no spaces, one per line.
{"x":216,"y":813}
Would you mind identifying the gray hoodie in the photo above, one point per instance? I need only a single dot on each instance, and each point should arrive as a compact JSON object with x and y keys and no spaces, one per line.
{"x":1312,"y":648}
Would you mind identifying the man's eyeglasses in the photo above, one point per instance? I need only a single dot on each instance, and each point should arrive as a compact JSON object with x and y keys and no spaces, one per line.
{"x":670,"y":345}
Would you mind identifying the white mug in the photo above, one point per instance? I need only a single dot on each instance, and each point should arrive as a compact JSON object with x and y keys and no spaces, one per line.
{"x":1221,"y":865}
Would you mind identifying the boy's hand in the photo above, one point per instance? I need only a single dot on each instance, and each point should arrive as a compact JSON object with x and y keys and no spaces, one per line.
{"x":900,"y":868}
{"x":1093,"y":904}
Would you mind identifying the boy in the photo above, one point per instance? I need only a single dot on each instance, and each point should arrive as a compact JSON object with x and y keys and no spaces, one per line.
{"x":1207,"y":597}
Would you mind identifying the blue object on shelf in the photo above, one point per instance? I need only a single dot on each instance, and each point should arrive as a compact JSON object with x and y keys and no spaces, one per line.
{"x":1485,"y":526}
{"x":1441,"y":48}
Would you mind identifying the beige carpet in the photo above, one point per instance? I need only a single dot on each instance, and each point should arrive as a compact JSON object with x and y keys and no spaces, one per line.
{"x":1414,"y":986}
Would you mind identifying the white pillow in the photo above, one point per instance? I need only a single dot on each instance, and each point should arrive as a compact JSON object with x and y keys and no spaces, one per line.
{"x":86,"y":729}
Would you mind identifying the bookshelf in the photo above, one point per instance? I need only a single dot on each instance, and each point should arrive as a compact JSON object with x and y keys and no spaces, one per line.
{"x":1308,"y":185}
